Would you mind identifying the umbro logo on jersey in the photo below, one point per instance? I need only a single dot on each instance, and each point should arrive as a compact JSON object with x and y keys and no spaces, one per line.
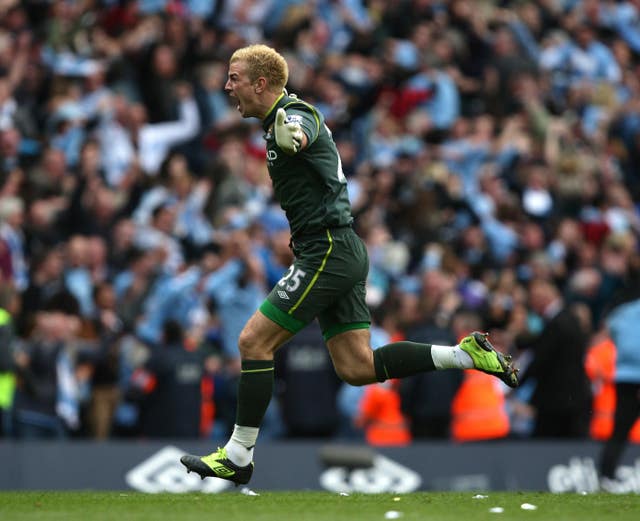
{"x":283,"y":295}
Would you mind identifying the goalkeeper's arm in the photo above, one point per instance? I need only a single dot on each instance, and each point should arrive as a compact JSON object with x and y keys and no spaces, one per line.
{"x":289,"y":134}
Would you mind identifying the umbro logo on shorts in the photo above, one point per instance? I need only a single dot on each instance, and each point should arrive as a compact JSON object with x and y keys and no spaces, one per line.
{"x":283,"y":295}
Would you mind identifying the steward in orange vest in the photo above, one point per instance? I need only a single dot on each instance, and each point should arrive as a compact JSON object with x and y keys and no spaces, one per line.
{"x":478,"y":409}
{"x":381,"y":417}
{"x":600,"y":365}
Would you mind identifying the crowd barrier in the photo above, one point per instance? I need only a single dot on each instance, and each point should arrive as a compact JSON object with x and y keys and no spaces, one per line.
{"x":153,"y":467}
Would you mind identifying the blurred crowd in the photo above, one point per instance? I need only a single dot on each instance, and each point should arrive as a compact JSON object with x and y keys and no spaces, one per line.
{"x":492,"y":151}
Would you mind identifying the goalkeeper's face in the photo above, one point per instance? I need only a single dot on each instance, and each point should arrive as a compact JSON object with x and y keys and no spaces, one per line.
{"x":240,"y":87}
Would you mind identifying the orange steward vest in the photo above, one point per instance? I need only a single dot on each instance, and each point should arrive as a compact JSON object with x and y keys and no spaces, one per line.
{"x":600,"y":365}
{"x":381,"y":416}
{"x":478,"y":409}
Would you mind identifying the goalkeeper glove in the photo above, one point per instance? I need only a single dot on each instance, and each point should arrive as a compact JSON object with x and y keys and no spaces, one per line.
{"x":288,"y":133}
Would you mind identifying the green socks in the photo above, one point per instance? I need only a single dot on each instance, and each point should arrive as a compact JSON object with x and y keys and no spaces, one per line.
{"x":395,"y":360}
{"x":254,"y":391}
{"x":402,"y":359}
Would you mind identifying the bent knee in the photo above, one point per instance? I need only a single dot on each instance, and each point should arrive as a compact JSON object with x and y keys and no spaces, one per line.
{"x":250,"y":346}
{"x":356,"y":375}
{"x":256,"y":345}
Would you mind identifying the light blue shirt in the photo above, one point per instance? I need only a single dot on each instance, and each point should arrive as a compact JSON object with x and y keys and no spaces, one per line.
{"x":172,"y":297}
{"x":444,"y":106}
{"x":625,"y":19}
{"x":235,"y":304}
{"x":623,"y":327}
{"x":596,"y":62}
{"x":79,"y":283}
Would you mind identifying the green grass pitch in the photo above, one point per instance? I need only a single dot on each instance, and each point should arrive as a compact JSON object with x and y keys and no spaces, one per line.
{"x":315,"y":506}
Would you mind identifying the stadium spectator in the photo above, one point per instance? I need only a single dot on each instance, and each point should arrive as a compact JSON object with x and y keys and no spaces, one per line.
{"x":12,"y":245}
{"x":171,"y":382}
{"x":427,"y":398}
{"x":620,"y":322}
{"x":478,"y":410}
{"x":562,"y":393}
{"x":49,"y":381}
{"x":46,"y":279}
{"x":178,"y":186}
{"x":104,"y":328}
{"x":380,"y":416}
{"x":601,"y":368}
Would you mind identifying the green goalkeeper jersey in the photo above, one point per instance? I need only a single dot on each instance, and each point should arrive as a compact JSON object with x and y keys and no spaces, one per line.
{"x":310,"y":185}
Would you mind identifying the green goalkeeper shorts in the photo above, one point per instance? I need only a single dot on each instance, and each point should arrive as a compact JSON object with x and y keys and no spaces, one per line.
{"x":327,"y":280}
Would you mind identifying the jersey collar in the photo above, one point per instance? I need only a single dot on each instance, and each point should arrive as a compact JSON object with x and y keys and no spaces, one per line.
{"x":267,"y":119}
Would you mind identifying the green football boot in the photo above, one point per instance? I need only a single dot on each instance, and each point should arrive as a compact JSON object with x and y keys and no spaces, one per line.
{"x":218,"y":465}
{"x":488,"y":360}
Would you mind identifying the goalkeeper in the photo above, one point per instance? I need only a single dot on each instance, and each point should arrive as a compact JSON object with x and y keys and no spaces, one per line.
{"x":326,"y":280}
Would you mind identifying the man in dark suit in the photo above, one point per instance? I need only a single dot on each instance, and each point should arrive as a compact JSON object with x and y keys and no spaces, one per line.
{"x":562,"y":395}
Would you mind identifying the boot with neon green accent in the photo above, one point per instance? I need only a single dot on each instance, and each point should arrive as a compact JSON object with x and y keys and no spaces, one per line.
{"x":488,"y":360}
{"x":218,"y":465}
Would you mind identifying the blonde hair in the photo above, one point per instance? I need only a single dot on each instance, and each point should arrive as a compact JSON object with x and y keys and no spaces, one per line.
{"x":263,"y":61}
